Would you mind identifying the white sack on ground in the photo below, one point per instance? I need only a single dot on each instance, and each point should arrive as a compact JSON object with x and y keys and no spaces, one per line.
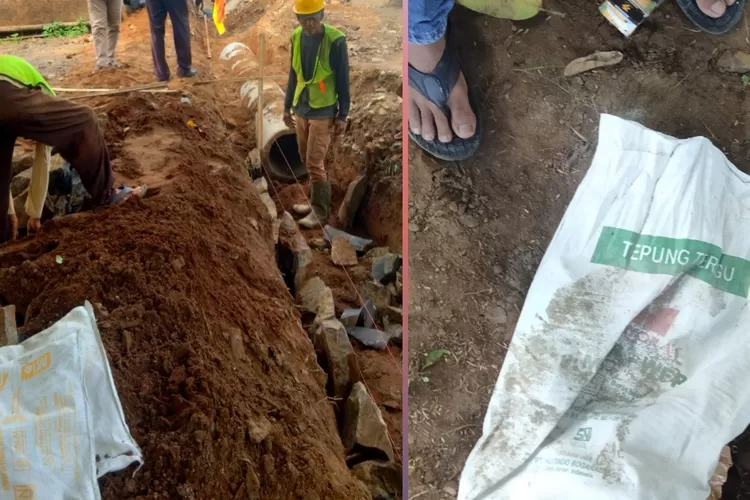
{"x":59,"y":410}
{"x":628,"y":369}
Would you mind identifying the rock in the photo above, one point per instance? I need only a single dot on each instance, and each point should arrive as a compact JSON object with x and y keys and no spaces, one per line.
{"x":8,"y":329}
{"x":396,"y":332}
{"x":332,"y":340}
{"x":385,"y":269}
{"x":413,"y":227}
{"x":178,"y":264}
{"x":275,"y":225}
{"x":319,"y":244}
{"x":269,"y":465}
{"x":351,"y":317}
{"x":352,"y":201}
{"x":394,"y":314}
{"x":369,"y":313}
{"x":315,"y":297}
{"x":377,"y":252}
{"x":384,"y":479}
{"x":301,"y":209}
{"x":20,"y":182}
{"x":21,"y":164}
{"x":735,"y":61}
{"x":127,"y":341}
{"x":270,"y":205}
{"x":370,"y":337}
{"x":291,"y":238}
{"x":261,"y":185}
{"x":259,"y":429}
{"x":237,"y":344}
{"x":343,"y":253}
{"x":379,"y":294}
{"x":360,"y":244}
{"x":253,"y":165}
{"x":252,"y":483}
{"x":364,"y":425}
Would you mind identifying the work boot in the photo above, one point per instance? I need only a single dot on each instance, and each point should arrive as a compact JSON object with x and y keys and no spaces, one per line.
{"x":189,"y":73}
{"x":320,"y":197}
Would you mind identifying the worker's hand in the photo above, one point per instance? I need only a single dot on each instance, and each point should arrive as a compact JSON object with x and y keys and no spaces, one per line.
{"x":288,"y":119}
{"x":13,"y":223}
{"x":339,"y":127}
{"x":34,"y":225}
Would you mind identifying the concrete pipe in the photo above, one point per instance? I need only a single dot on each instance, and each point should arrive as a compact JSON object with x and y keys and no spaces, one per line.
{"x":278,"y":149}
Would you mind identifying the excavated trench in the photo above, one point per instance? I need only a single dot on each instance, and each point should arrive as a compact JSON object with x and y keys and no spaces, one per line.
{"x":218,"y":377}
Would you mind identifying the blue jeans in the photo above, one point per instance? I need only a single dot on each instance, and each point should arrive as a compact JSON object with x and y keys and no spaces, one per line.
{"x":428,"y":20}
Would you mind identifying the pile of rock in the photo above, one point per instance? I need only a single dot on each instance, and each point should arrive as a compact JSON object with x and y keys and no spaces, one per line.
{"x":364,"y":433}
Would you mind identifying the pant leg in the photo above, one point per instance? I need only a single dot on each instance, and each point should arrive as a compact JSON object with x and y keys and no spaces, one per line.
{"x":303,"y":130}
{"x":7,"y":141}
{"x":180,"y":17}
{"x":72,"y":129}
{"x":157,"y":17}
{"x":98,"y":18}
{"x":428,"y":20}
{"x":318,"y":141}
{"x":114,"y":19}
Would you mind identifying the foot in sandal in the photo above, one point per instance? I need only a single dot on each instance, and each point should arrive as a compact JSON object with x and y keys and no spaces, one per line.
{"x":713,"y":16}
{"x":124,"y":193}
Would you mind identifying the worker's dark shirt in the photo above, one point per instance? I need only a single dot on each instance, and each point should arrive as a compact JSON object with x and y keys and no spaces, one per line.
{"x":339,"y":61}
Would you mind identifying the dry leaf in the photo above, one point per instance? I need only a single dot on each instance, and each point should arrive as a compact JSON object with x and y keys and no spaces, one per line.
{"x":515,"y":10}
{"x":595,"y":60}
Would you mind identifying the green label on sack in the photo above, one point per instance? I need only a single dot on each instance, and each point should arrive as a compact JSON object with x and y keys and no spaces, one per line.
{"x":660,"y":255}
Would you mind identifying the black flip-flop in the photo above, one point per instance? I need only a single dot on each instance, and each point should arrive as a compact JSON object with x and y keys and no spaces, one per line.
{"x":436,"y":87}
{"x":713,"y":25}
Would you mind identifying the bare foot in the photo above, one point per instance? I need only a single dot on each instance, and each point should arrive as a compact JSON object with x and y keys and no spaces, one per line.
{"x":714,"y":8}
{"x":425,"y":118}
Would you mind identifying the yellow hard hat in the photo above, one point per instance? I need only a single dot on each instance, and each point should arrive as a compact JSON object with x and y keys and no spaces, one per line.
{"x":305,"y":7}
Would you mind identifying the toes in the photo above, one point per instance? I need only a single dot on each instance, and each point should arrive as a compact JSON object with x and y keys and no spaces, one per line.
{"x":428,"y":124}
{"x":464,"y":121}
{"x":712,"y":8}
{"x":415,"y":117}
{"x":444,"y":132}
{"x":730,"y":2}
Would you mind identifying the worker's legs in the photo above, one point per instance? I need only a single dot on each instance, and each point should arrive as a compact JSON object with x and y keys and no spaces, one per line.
{"x":98,"y":18}
{"x":303,"y":130}
{"x":157,"y":17}
{"x":180,"y":17}
{"x":72,"y":129}
{"x":114,"y":18}
{"x":7,"y":141}
{"x":318,"y":141}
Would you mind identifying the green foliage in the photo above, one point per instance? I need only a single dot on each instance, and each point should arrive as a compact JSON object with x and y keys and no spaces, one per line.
{"x":58,"y":30}
{"x":745,"y":81}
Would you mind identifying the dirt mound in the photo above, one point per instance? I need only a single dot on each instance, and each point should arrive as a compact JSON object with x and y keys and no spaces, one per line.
{"x":217,"y":377}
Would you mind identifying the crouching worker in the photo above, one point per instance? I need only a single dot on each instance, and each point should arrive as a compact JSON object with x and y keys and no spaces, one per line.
{"x":29,"y":109}
{"x":318,"y":91}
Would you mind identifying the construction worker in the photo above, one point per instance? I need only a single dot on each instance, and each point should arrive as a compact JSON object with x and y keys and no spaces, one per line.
{"x":179,"y":15}
{"x":29,"y":109}
{"x":318,"y":92}
{"x":105,"y":16}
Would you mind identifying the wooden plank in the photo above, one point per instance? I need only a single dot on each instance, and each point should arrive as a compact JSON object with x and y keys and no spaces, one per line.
{"x":261,"y":64}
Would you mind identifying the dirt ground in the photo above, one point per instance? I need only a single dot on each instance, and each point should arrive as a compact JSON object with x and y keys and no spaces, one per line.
{"x":205,"y":341}
{"x":478,"y":229}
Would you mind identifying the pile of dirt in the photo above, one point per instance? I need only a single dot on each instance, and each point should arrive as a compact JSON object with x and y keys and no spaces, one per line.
{"x":218,"y":379}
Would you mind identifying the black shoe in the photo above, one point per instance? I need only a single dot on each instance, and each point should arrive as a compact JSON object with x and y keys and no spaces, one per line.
{"x":187,"y":74}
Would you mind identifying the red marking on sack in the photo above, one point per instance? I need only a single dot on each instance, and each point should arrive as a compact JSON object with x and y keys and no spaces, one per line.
{"x":659,"y":321}
{"x":322,"y":86}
